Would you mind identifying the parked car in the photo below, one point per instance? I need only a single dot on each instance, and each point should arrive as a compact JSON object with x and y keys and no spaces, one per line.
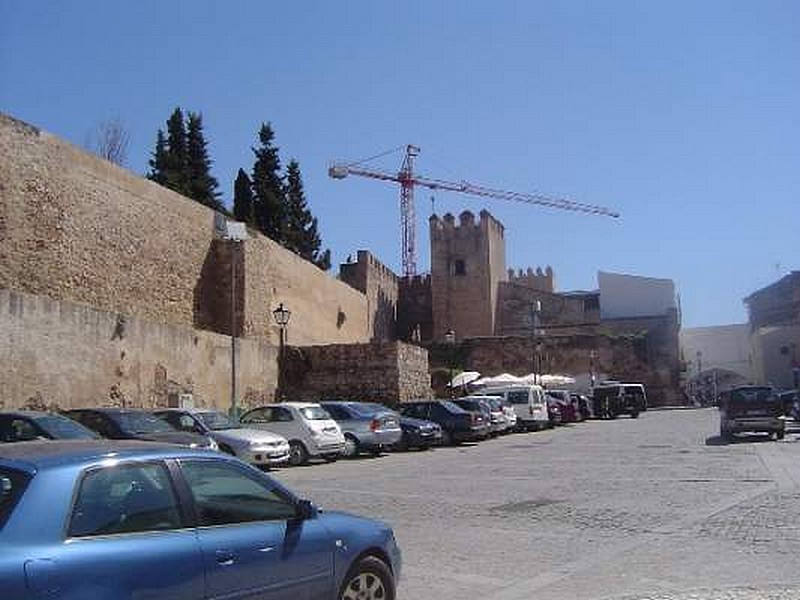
{"x":367,"y":426}
{"x":418,"y":433}
{"x":582,"y":405}
{"x":253,"y":446}
{"x":95,"y":519}
{"x":309,"y":428}
{"x":457,"y":424}
{"x":27,"y":425}
{"x":554,"y":411}
{"x":481,"y":407}
{"x":508,"y":411}
{"x":569,"y":412}
{"x":131,"y":424}
{"x":751,"y":409}
{"x":528,"y":402}
{"x":613,"y":399}
{"x":790,"y":400}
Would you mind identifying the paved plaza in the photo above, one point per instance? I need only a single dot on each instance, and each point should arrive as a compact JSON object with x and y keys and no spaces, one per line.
{"x":657,"y":508}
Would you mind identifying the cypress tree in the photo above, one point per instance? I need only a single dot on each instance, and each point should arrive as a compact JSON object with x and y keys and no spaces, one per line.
{"x":175,"y":171}
{"x":158,"y":162}
{"x":301,"y":232}
{"x":200,"y":184}
{"x":243,"y":198}
{"x":268,"y":193}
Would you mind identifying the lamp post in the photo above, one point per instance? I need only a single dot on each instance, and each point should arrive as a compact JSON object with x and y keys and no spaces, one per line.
{"x":536,"y":312}
{"x":235,"y":234}
{"x":592,"y":358}
{"x":450,"y":339}
{"x":281,"y":316}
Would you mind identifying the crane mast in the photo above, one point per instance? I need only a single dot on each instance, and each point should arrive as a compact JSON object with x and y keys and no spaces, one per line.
{"x":407,"y":180}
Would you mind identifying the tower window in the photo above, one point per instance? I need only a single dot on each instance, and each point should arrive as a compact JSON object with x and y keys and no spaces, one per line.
{"x":459,"y":268}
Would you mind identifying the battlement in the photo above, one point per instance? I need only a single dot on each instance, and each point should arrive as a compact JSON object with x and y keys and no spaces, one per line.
{"x":366,"y":266}
{"x":417,"y":282}
{"x":543,"y":281}
{"x":446,"y":226}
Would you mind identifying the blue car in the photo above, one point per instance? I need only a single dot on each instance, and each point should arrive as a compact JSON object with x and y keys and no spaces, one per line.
{"x":108,"y":520}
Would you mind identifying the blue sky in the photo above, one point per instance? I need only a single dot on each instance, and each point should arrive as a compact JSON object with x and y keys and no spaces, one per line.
{"x":681,"y":115}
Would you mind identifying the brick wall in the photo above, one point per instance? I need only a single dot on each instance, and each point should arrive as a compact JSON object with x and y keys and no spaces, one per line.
{"x":61,"y":354}
{"x":387,"y":372}
{"x":77,"y":228}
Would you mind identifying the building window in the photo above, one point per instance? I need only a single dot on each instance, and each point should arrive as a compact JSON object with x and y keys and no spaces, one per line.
{"x":458,"y":267}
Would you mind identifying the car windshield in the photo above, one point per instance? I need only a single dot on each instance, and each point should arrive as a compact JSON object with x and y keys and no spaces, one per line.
{"x":451,"y":406}
{"x":142,"y":422}
{"x":752,"y":395}
{"x":314,"y":413}
{"x":368,"y":408}
{"x":62,"y":428}
{"x":217,"y":421}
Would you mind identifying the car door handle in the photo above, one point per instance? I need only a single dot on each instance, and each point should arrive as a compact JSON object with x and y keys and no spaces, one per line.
{"x":225,"y":557}
{"x":266,"y":549}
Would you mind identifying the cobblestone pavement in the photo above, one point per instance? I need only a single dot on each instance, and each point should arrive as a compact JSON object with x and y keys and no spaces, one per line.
{"x":657,"y":508}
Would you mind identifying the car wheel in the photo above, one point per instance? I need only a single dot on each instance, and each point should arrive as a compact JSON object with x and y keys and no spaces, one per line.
{"x":350,"y":446}
{"x":331,"y":458}
{"x":780,"y":435}
{"x":369,"y":579}
{"x":447,"y":438}
{"x":298,"y":455}
{"x":634,"y":414}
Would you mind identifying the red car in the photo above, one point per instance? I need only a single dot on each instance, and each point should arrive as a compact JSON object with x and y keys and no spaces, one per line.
{"x":569,"y":411}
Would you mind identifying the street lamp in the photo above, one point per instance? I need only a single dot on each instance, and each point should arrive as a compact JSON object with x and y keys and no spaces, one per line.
{"x":235,"y":234}
{"x":536,"y":312}
{"x":450,"y":339}
{"x":592,"y":358}
{"x":281,"y":316}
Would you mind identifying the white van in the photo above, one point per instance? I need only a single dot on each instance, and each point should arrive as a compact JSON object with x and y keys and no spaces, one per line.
{"x":529,"y":402}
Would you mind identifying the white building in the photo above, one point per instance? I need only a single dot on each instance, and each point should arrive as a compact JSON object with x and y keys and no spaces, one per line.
{"x":725,"y":347}
{"x":625,"y":296}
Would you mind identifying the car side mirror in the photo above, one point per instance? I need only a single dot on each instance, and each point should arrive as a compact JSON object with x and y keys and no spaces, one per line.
{"x":306,"y":510}
{"x":5,"y":486}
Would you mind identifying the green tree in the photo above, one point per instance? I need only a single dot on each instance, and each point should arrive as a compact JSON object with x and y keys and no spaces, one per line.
{"x":176,"y":171}
{"x":200,"y":184}
{"x":301,"y":231}
{"x":158,"y":162}
{"x":243,"y":198}
{"x":268,"y":192}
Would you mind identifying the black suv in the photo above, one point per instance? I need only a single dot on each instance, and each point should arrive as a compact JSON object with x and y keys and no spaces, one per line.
{"x":457,"y":424}
{"x":751,"y":409}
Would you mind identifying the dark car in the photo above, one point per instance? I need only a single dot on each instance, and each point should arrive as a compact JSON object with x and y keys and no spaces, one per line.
{"x":27,"y":425}
{"x":457,"y":424}
{"x":790,"y":400}
{"x":751,"y":409}
{"x":103,"y":520}
{"x":130,"y":424}
{"x":581,"y":404}
{"x":481,"y":407}
{"x":418,"y":433}
{"x":613,"y":399}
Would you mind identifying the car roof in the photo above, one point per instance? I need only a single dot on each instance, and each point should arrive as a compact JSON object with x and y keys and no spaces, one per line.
{"x":55,"y":453}
{"x":28,"y":413}
{"x":111,"y":411}
{"x":191,"y":411}
{"x":294,"y":404}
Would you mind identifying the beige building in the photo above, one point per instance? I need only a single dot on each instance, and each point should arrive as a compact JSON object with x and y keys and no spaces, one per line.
{"x":724,"y":347}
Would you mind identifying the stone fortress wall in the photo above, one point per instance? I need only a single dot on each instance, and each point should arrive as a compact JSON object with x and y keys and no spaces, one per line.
{"x":380,"y":286}
{"x":77,"y":228}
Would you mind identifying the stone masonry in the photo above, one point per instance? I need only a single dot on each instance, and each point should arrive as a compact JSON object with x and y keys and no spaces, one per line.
{"x":389,"y":372}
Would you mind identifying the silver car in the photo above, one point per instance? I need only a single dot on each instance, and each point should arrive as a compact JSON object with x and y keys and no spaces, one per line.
{"x":367,"y":426}
{"x":254,"y":446}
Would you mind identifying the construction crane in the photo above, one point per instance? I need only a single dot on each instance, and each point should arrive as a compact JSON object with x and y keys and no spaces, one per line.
{"x":408,"y":179}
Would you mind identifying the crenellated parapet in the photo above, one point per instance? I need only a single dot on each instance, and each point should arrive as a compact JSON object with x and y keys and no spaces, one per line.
{"x":542,"y":280}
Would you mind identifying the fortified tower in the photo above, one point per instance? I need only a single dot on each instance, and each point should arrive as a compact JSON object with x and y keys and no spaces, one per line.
{"x":468,"y":261}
